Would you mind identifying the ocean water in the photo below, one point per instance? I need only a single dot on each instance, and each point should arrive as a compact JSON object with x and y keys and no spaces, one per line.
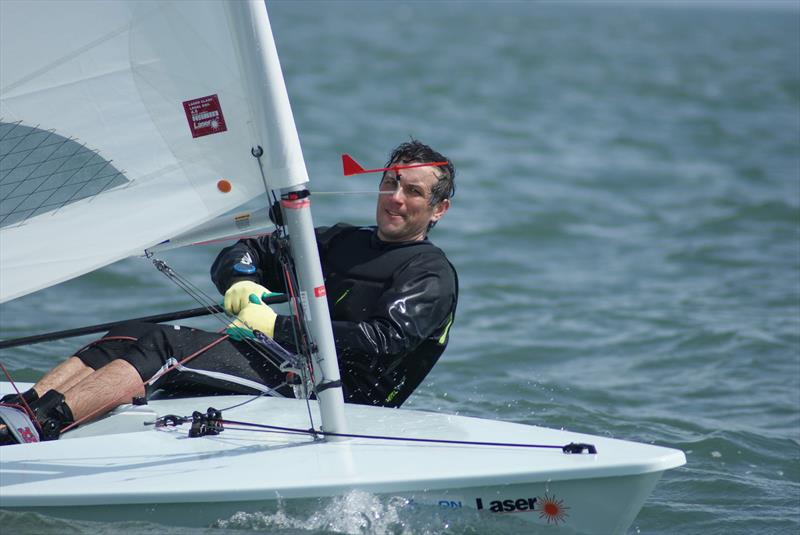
{"x":626,"y":231}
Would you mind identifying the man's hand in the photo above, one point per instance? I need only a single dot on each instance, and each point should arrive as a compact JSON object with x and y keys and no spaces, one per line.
{"x":253,"y":317}
{"x":238,"y":296}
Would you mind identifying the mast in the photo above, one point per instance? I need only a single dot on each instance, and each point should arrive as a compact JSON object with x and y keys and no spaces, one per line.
{"x":276,"y":132}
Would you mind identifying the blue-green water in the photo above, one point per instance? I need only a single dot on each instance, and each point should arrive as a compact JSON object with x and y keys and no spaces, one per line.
{"x":626,"y":230}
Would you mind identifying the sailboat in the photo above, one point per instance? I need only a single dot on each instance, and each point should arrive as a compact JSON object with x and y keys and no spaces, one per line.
{"x":125,"y":126}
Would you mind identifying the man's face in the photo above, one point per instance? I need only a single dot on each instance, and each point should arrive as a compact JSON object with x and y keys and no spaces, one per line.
{"x":404,"y":209}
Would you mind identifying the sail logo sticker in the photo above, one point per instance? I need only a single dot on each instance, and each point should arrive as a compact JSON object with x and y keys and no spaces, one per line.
{"x":205,"y":116}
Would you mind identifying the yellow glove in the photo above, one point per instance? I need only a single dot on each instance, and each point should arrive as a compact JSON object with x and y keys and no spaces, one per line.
{"x":253,"y":317}
{"x":238,"y":296}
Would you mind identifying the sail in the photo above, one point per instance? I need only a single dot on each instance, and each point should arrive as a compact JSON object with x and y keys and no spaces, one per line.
{"x":123,"y":124}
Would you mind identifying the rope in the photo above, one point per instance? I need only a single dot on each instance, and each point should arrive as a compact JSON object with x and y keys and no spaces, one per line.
{"x":301,"y":342}
{"x":319,"y":432}
{"x":206,"y":301}
{"x":572,"y":447}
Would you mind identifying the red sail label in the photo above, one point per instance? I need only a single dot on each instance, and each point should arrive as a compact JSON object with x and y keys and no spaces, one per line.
{"x":205,"y":116}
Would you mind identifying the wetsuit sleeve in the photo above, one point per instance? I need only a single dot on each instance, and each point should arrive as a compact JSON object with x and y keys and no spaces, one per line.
{"x":256,"y":252}
{"x":413,"y":309}
{"x":251,"y":252}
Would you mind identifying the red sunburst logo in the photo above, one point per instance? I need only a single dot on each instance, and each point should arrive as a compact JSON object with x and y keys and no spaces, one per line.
{"x":553,"y":510}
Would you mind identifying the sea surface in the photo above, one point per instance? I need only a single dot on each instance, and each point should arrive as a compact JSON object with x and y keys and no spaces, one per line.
{"x":626,"y":231}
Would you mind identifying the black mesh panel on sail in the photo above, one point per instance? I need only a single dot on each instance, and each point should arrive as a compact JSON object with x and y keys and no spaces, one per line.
{"x":41,"y":171}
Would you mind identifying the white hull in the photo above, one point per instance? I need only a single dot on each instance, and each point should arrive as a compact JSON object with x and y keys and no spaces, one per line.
{"x":118,"y":468}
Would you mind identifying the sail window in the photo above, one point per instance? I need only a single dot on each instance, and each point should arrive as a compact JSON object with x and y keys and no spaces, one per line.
{"x":41,"y":172}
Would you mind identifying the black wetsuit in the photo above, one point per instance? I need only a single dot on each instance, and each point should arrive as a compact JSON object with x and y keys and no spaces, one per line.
{"x":392,"y":305}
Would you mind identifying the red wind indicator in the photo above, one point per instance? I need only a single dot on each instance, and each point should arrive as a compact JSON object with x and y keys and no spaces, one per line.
{"x":352,"y":167}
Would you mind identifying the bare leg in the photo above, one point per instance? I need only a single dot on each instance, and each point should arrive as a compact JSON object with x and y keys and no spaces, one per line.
{"x":110,"y":386}
{"x":64,"y":376}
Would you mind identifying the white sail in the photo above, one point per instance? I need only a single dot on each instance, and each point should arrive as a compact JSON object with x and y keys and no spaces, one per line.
{"x":124,"y":124}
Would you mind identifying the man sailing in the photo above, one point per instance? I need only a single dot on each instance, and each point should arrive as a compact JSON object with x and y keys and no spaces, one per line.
{"x":391,"y":293}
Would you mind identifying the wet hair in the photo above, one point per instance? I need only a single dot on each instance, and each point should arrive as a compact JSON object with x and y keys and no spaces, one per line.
{"x":415,"y":151}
